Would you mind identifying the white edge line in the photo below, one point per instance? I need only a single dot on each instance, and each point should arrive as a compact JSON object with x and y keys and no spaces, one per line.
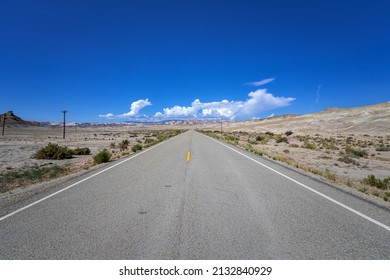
{"x":85,"y":179}
{"x":310,"y":189}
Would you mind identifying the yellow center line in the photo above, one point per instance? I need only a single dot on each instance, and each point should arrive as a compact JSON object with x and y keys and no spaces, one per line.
{"x":189,"y":148}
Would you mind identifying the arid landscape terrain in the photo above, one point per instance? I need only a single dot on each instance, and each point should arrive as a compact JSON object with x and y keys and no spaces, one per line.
{"x":343,"y":146}
{"x":20,"y":168}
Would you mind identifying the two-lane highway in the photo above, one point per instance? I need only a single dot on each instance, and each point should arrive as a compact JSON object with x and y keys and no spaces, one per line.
{"x":193,"y":197}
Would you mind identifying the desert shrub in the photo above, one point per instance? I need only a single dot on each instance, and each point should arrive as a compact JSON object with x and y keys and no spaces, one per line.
{"x":113,"y":145}
{"x":309,"y":145}
{"x":350,"y":183}
{"x":269,"y":133}
{"x":294,"y":145}
{"x":349,"y":140}
{"x":382,"y":148}
{"x":136,"y":148}
{"x":123,"y":145}
{"x":347,"y":160}
{"x":258,"y":152}
{"x":82,"y":151}
{"x":230,"y":138}
{"x":288,"y":133}
{"x":371,"y":180}
{"x":329,"y":146}
{"x":355,"y":152}
{"x":280,"y":139}
{"x":148,"y":140}
{"x":286,"y":151}
{"x":329,"y":175}
{"x":102,"y":156}
{"x":260,"y":138}
{"x":248,"y":147}
{"x":53,"y":151}
{"x":302,"y":138}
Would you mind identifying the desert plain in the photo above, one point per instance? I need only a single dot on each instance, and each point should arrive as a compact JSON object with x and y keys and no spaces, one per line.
{"x":341,"y":146}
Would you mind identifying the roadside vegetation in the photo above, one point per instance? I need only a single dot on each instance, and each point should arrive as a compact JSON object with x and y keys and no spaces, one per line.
{"x":55,"y":152}
{"x":346,"y":151}
{"x":14,"y":179}
{"x":120,"y":144}
{"x":101,"y":157}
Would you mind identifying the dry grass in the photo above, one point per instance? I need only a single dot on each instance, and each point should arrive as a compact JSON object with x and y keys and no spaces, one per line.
{"x":18,"y":167}
{"x":321,"y":156}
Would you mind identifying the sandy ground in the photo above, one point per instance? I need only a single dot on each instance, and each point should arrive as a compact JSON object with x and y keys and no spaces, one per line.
{"x":330,"y":133}
{"x":362,"y":128}
{"x":21,"y":142}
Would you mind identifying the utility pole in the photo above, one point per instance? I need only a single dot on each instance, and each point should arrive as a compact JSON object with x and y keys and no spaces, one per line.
{"x":4,"y":117}
{"x":221,"y":124}
{"x":64,"y":112}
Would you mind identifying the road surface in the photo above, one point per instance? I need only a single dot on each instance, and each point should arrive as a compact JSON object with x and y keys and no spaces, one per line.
{"x":193,"y":197}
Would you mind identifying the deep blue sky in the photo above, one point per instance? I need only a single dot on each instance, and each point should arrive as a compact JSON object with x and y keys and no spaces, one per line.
{"x":98,"y":57}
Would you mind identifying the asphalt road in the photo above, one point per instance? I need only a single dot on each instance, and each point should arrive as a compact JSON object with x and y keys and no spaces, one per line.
{"x":218,"y":202}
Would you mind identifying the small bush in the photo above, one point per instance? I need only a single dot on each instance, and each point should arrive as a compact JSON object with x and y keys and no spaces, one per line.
{"x":258,"y":152}
{"x":302,"y":138}
{"x":371,"y":180}
{"x":123,"y":145}
{"x":294,"y":145}
{"x":309,"y":145}
{"x":260,"y":138}
{"x":248,"y":147}
{"x":382,"y":149}
{"x":113,"y":145}
{"x":280,"y":139}
{"x":102,"y":156}
{"x":347,"y":160}
{"x":265,"y":141}
{"x":148,"y":141}
{"x":288,"y":133}
{"x":363,"y":190}
{"x":329,"y":175}
{"x":136,"y":148}
{"x":355,"y":152}
{"x":230,"y":138}
{"x":286,"y":151}
{"x":82,"y":151}
{"x":53,"y":151}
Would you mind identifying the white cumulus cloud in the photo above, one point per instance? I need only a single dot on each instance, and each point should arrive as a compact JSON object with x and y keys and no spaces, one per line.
{"x":135,"y":108}
{"x":258,"y":102}
{"x":108,"y":116}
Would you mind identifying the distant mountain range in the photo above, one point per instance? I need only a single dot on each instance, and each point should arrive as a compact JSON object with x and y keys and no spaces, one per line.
{"x":128,"y":123}
{"x":12,"y":119}
{"x":373,"y":118}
